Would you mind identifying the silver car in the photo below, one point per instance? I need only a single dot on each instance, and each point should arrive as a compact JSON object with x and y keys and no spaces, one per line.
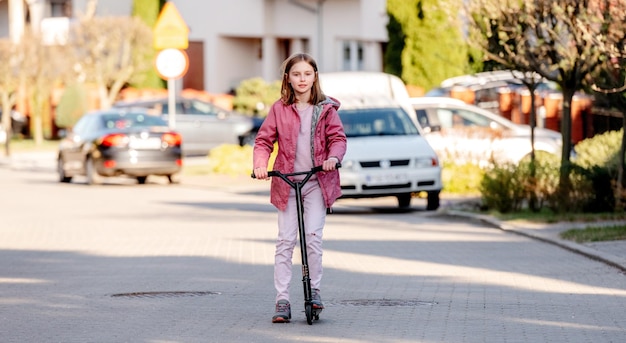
{"x":466,"y":133}
{"x":203,"y":125}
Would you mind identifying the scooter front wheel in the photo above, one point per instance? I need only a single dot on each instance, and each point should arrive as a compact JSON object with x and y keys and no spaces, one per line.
{"x":308,"y":311}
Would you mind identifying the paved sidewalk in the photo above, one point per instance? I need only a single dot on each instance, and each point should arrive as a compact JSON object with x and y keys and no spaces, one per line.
{"x":612,"y":253}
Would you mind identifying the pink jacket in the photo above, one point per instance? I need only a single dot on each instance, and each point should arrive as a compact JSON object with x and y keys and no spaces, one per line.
{"x":282,"y":125}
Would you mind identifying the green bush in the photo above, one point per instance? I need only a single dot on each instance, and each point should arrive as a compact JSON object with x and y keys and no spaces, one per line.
{"x":461,"y":179}
{"x":231,"y":159}
{"x":508,"y":187}
{"x":598,"y":157}
{"x":72,"y":105}
{"x":541,"y":178}
{"x":600,"y":150}
{"x":234,"y":160}
{"x":502,"y":188}
{"x":255,"y":96}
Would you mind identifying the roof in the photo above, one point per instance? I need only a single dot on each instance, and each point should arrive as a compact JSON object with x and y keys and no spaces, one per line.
{"x":436,"y":100}
{"x":369,"y":101}
{"x":502,"y":77}
{"x":337,"y":84}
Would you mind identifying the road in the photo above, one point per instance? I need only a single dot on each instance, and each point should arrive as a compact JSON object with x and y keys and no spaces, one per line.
{"x":159,"y":263}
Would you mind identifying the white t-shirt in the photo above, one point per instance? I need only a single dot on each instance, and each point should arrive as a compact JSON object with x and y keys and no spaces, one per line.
{"x":304,"y":162}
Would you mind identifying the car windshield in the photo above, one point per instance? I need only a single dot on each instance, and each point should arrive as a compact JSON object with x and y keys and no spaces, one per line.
{"x":128,"y":120}
{"x":377,"y":122}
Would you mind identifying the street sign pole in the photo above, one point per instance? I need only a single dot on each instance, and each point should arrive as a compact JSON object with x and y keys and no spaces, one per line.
{"x":172,"y":64}
{"x":171,"y":38}
{"x":171,"y":92}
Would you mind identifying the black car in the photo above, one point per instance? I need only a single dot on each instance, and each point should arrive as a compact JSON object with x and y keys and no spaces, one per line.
{"x":120,"y":142}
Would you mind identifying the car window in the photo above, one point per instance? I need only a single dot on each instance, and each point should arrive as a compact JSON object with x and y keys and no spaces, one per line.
{"x":203,"y":108}
{"x":180,"y":108}
{"x":194,"y":107}
{"x":377,"y":122}
{"x":422,"y":118}
{"x":81,"y":126}
{"x":427,"y":117}
{"x":456,"y":118}
{"x":128,"y":120}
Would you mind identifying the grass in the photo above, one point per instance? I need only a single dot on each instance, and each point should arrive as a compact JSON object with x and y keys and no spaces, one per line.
{"x":547,"y":216}
{"x":25,"y":145}
{"x":596,"y":234}
{"x":592,"y":233}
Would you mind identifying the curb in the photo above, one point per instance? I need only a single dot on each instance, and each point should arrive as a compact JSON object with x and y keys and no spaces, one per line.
{"x":551,"y":236}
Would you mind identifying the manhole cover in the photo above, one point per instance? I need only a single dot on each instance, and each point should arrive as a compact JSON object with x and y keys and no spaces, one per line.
{"x":175,"y":294}
{"x":384,"y":302}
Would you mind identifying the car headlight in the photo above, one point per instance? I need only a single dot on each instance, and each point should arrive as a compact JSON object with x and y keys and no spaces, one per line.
{"x":426,"y":162}
{"x":348,"y":165}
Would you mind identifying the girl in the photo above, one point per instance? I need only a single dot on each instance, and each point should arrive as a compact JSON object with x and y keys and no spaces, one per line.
{"x":309,"y":133}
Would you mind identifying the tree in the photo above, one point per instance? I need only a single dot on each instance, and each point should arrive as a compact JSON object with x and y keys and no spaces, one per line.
{"x":393,"y":53}
{"x":426,"y":36}
{"x":111,"y":52}
{"x":148,"y":12}
{"x":8,"y":87}
{"x":562,"y":40}
{"x":42,"y":67}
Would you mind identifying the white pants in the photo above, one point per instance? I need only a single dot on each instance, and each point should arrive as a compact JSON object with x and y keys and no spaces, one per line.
{"x":314,"y":219}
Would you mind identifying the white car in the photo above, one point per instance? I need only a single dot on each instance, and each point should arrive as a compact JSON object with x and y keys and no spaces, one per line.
{"x":467,"y":133}
{"x":386,"y":154}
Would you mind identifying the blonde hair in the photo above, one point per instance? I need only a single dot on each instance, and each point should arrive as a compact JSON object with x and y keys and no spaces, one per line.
{"x":287,"y":95}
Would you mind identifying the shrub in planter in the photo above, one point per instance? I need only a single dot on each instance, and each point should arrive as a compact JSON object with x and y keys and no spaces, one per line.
{"x":502,"y":189}
{"x":598,"y":156}
{"x":234,"y":160}
{"x":461,"y":178}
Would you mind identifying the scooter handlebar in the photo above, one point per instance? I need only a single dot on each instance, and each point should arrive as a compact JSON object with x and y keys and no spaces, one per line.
{"x":312,"y":171}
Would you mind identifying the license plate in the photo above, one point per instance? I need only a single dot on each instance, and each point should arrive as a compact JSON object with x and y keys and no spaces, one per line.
{"x":385,"y":179}
{"x":151,"y":143}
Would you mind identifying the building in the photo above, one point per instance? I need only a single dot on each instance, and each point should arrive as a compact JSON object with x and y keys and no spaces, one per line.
{"x":230,"y":41}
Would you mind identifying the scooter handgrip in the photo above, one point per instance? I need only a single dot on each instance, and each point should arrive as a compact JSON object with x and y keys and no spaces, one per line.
{"x":269,"y":173}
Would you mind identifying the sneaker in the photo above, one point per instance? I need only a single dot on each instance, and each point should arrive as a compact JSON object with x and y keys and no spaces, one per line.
{"x":316,"y":299}
{"x":283,"y":312}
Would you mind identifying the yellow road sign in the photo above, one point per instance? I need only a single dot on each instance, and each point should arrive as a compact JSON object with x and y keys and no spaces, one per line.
{"x":170,"y":30}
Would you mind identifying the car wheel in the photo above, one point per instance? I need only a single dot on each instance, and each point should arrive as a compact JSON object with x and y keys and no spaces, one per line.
{"x":404,"y":200}
{"x":142,"y":179}
{"x":432,"y":201}
{"x":62,"y":177}
{"x":174,"y":178}
{"x":248,"y":139}
{"x":93,"y":178}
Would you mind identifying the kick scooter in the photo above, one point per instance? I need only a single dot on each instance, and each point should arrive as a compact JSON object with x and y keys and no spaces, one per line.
{"x":309,"y":311}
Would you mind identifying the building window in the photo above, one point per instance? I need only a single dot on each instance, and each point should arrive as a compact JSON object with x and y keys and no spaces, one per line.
{"x":60,"y":8}
{"x":352,"y":55}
